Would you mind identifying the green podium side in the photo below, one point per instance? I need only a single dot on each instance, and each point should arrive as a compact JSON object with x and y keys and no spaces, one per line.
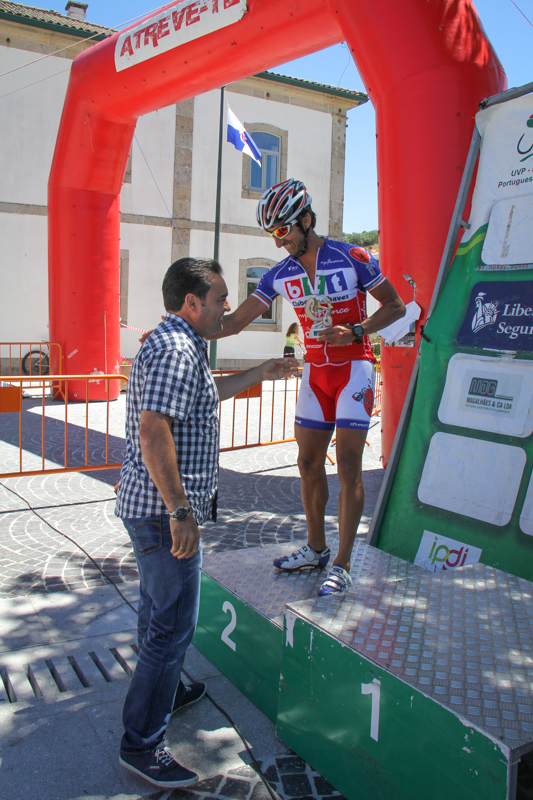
{"x":372,"y":735}
{"x":412,"y":685}
{"x":240,"y":623}
{"x":242,"y":643}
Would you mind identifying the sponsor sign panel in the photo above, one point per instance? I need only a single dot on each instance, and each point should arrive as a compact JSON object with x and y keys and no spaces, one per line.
{"x":472,"y":477}
{"x":466,"y":465}
{"x":440,"y":553}
{"x":499,"y":316}
{"x":508,"y":240}
{"x":176,"y":25}
{"x":488,"y":394}
{"x":505,"y":174}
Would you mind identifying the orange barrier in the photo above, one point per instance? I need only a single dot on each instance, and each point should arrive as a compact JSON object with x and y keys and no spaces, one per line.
{"x":267,"y":413}
{"x":377,"y":393}
{"x":259,"y":416}
{"x":265,"y":422}
{"x":57,"y":437}
{"x":14,"y":354}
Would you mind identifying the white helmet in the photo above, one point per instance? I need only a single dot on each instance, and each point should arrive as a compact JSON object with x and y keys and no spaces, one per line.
{"x":282,"y":204}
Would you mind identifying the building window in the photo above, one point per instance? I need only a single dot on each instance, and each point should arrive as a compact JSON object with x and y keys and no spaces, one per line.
{"x":267,"y":174}
{"x":250,"y":272}
{"x":253,"y":276}
{"x":273,"y":143}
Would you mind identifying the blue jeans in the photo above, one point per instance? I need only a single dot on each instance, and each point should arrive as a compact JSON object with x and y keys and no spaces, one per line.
{"x":168,"y":611}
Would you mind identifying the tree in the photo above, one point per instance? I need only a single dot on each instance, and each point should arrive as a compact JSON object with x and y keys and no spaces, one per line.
{"x":363,"y":239}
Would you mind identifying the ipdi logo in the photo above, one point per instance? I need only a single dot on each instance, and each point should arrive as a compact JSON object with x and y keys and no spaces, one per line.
{"x":437,"y":553}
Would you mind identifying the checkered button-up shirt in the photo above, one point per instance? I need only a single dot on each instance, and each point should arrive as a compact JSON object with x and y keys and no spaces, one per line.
{"x":171,"y":375}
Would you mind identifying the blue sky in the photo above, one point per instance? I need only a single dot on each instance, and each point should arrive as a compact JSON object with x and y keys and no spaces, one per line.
{"x":511,"y":36}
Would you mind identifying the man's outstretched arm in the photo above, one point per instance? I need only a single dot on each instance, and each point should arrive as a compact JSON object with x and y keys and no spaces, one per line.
{"x":275,"y":369}
{"x":249,"y":309}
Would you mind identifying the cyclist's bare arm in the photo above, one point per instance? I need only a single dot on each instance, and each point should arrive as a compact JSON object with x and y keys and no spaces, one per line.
{"x":234,"y":323}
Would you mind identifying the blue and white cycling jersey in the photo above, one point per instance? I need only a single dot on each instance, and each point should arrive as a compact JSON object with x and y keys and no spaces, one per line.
{"x":344,"y":273}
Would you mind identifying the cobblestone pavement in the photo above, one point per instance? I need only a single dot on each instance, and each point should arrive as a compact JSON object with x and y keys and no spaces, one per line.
{"x":259,"y":503}
{"x":288,"y":776}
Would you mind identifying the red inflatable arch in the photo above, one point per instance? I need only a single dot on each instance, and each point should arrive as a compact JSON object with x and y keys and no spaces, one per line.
{"x":425,"y":65}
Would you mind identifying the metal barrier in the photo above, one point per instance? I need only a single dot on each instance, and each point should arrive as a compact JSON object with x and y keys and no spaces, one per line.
{"x":28,"y":358}
{"x":259,"y":416}
{"x":267,"y":410}
{"x":46,"y":437}
{"x":260,"y":428}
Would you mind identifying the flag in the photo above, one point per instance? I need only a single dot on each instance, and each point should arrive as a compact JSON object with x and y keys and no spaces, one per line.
{"x":240,"y":138}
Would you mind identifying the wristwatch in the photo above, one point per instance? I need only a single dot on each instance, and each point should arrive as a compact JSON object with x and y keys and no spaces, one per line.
{"x":181,"y":513}
{"x":357,"y":332}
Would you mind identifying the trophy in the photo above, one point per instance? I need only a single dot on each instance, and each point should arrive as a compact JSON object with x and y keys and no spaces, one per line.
{"x":318,"y":308}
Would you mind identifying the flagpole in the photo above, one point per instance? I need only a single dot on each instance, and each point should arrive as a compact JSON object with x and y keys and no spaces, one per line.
{"x":213,"y":342}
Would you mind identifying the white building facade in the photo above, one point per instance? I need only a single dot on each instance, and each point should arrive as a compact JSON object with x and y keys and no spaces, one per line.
{"x":169,"y":192}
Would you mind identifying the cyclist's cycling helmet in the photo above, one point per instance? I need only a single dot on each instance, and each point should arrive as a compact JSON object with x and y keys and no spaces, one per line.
{"x":282,"y":204}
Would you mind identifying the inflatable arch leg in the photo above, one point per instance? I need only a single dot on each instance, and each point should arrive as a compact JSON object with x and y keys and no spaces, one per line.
{"x":425,"y":67}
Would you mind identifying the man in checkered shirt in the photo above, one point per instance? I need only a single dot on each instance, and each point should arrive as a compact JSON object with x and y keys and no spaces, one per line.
{"x":167,"y":489}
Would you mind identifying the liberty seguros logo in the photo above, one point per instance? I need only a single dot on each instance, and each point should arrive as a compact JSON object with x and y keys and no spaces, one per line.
{"x":486,"y":313}
{"x":499,"y":316}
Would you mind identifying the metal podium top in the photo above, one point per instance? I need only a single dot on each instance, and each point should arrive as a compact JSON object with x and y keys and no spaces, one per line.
{"x":249,"y":574}
{"x":464,"y":637}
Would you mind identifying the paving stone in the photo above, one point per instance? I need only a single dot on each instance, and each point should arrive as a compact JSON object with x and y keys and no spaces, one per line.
{"x":322,"y":786}
{"x":209,"y":785}
{"x":245,"y":772}
{"x":307,"y":797}
{"x":296,"y":785}
{"x":290,"y":764}
{"x":260,"y":792}
{"x":271,"y":774}
{"x":235,"y":789}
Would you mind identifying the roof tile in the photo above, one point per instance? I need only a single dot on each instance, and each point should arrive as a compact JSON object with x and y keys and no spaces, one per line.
{"x":53,"y":17}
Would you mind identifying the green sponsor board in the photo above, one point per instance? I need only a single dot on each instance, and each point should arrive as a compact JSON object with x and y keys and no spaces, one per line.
{"x":447,"y":486}
{"x":373,"y":736}
{"x":463,"y":489}
{"x":243,"y":644}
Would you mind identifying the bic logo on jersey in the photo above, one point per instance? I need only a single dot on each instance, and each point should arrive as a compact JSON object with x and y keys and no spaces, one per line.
{"x":330,"y":284}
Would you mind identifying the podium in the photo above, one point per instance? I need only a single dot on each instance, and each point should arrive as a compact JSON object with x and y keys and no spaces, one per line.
{"x":411,"y":685}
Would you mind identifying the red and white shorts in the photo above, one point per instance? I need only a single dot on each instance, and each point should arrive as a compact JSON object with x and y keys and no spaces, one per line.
{"x":336,"y":394}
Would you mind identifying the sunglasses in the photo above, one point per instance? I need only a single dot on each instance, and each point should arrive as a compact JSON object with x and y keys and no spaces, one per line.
{"x":281,"y":232}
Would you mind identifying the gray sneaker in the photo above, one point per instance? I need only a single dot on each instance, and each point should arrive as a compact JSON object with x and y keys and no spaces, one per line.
{"x":159,"y":767}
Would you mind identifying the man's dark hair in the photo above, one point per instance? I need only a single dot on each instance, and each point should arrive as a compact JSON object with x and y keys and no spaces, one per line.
{"x":188,"y":276}
{"x":308,"y":210}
